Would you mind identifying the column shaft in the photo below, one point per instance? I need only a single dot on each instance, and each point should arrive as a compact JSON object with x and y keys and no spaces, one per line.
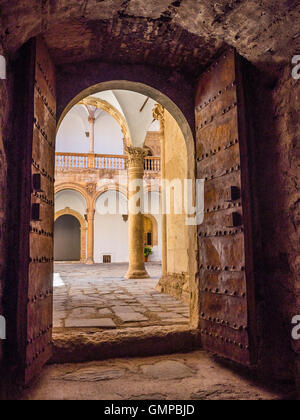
{"x":158,"y":114}
{"x":90,"y":237}
{"x":92,"y":134}
{"x":136,"y":216}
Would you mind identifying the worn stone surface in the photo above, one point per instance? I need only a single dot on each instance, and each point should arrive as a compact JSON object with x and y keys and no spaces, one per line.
{"x":277,"y":155}
{"x":3,"y":171}
{"x":99,"y":296}
{"x":161,"y":32}
{"x":195,"y":376}
{"x":81,"y":345}
{"x":167,"y":370}
{"x":265,"y":33}
{"x":180,"y":238}
{"x":86,"y":323}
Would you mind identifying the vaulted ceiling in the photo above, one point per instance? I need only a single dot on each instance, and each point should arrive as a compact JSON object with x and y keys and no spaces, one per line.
{"x":181,"y":34}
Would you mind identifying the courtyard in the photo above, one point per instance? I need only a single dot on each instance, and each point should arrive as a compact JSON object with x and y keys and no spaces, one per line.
{"x":98,"y":296}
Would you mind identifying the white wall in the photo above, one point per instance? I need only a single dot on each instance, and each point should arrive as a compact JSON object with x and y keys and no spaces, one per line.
{"x":110,"y":230}
{"x":72,"y":199}
{"x":71,"y":136}
{"x":138,"y":121}
{"x":108,"y":135}
{"x":111,"y":238}
{"x":152,"y":206}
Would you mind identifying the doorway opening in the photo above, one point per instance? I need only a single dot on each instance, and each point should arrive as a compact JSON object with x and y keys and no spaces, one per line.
{"x":67,"y":239}
{"x":96,"y":139}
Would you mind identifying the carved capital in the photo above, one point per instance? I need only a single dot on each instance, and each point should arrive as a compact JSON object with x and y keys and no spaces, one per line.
{"x":136,"y":155}
{"x":159,"y":114}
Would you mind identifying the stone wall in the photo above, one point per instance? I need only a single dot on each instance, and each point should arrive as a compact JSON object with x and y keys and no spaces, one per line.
{"x":3,"y":169}
{"x":180,"y":271}
{"x":277,"y":148}
{"x":153,"y":142}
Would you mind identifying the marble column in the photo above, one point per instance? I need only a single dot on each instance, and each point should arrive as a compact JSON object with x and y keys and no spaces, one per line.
{"x":90,"y":236}
{"x":92,"y":134}
{"x":158,"y":114}
{"x":136,"y":158}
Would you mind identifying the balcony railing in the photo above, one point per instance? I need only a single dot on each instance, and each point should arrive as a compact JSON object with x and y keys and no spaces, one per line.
{"x":96,"y":161}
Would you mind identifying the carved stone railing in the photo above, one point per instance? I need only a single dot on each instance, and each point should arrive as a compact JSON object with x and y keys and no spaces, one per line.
{"x":75,"y":161}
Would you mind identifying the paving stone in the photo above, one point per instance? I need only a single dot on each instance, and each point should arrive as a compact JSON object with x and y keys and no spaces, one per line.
{"x":90,"y":323}
{"x":96,"y":292}
{"x":83,"y":312}
{"x":168,"y":315}
{"x":132,"y":317}
{"x":104,"y":311}
{"x":128,"y":308}
{"x":166,"y":370}
{"x":93,"y":375}
{"x":156,"y":309}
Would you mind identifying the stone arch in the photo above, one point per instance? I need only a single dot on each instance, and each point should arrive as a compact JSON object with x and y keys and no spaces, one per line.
{"x":150,"y":188}
{"x":154,"y":228}
{"x":75,"y":187}
{"x":83,"y":228}
{"x":149,"y":91}
{"x":116,"y":187}
{"x":110,"y":109}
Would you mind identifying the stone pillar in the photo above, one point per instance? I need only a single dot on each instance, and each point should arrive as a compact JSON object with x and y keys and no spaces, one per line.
{"x":90,"y":236}
{"x":83,"y":233}
{"x":158,"y":114}
{"x":136,"y":269}
{"x":92,"y":134}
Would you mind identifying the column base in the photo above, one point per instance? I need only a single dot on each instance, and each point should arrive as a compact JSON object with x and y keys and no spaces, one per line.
{"x":90,"y":262}
{"x":137,"y":274}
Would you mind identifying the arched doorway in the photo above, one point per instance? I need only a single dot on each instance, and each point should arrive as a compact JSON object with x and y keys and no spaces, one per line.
{"x":58,"y":239}
{"x":67,"y":238}
{"x":206,"y":297}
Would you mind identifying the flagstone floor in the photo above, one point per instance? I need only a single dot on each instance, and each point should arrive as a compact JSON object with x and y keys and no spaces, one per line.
{"x":98,"y":296}
{"x":191,"y":376}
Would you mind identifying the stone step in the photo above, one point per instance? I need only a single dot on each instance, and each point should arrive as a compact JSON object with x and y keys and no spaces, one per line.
{"x":83,"y":345}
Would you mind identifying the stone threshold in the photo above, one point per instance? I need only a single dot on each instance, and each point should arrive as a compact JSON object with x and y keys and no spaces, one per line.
{"x":84,"y":345}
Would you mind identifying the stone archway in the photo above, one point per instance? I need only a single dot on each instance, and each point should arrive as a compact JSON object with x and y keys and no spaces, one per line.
{"x":148,"y":91}
{"x":153,"y":229}
{"x":111,"y":110}
{"x":83,"y":229}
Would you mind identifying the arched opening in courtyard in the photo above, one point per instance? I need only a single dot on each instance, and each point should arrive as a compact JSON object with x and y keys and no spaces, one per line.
{"x":104,"y":141}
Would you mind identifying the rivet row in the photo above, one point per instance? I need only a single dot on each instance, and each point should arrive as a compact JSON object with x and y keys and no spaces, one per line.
{"x":224,"y":173}
{"x":215,"y":97}
{"x":218,"y":150}
{"x":226,"y":268}
{"x":40,"y":232}
{"x":223,"y":322}
{"x":43,"y":198}
{"x":44,"y":99}
{"x":46,"y":78}
{"x":43,"y":133}
{"x":41,"y":260}
{"x":220,"y":233}
{"x":37,"y":354}
{"x":225,"y":292}
{"x":42,"y":170}
{"x":40,"y":296}
{"x":205,"y":123}
{"x":225,"y":339}
{"x":39,"y":334}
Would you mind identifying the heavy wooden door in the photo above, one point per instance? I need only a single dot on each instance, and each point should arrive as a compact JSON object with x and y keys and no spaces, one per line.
{"x":40,"y":270}
{"x":227,"y":313}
